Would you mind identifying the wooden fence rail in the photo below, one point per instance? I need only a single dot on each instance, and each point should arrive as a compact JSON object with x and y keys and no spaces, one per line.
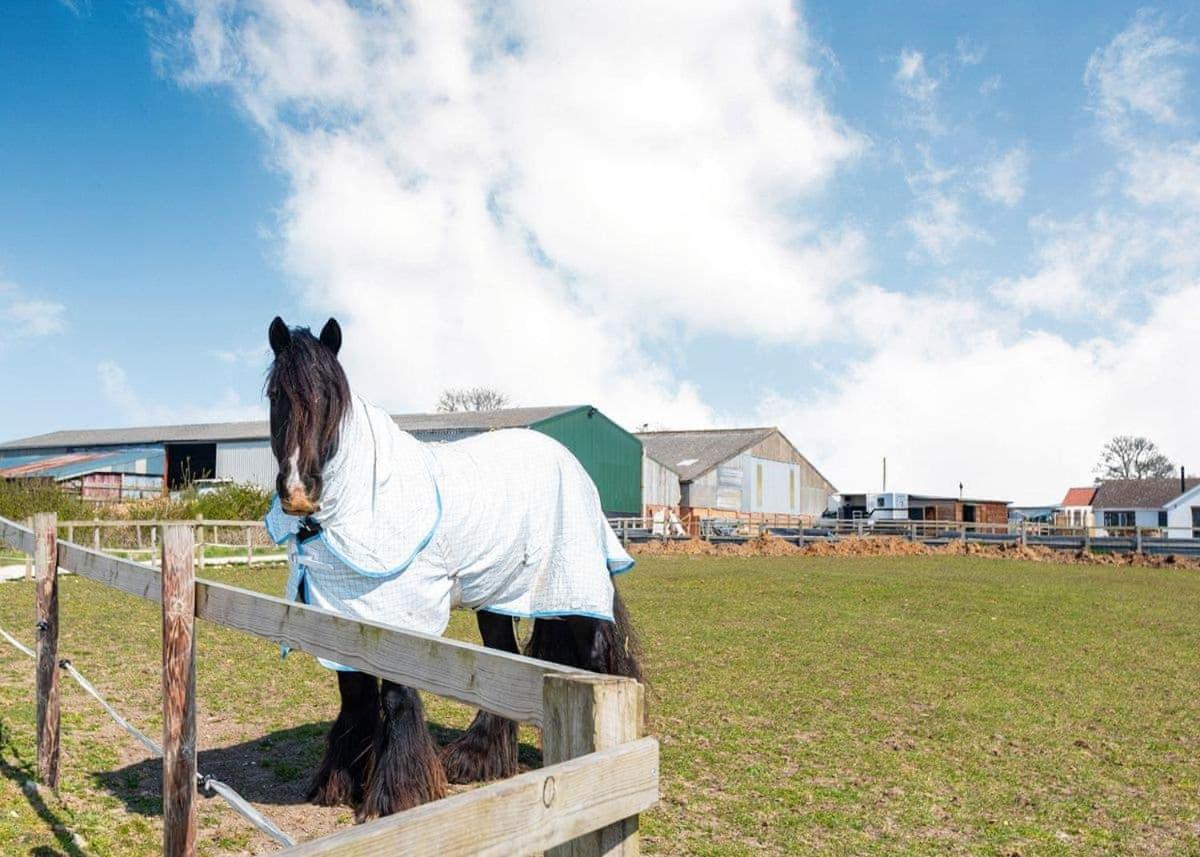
{"x":599,"y":773}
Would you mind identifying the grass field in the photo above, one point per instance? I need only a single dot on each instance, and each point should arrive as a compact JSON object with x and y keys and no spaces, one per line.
{"x":917,"y":705}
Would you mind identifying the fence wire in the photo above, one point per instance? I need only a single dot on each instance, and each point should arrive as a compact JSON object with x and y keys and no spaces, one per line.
{"x":206,"y":783}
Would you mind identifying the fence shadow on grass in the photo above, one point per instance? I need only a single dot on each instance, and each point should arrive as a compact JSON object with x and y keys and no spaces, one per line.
{"x":16,"y":770}
{"x":272,"y":770}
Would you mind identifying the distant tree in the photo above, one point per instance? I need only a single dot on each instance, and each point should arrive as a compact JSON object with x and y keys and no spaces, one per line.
{"x":471,"y":399}
{"x":1128,"y":457}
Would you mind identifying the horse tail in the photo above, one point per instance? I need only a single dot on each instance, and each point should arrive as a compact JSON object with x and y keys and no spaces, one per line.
{"x":591,"y":644}
{"x":622,"y":649}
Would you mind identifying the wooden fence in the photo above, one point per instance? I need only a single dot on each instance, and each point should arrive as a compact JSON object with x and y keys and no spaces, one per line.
{"x":599,"y":773}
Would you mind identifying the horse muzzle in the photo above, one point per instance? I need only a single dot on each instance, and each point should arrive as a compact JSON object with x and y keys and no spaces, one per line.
{"x":298,"y":504}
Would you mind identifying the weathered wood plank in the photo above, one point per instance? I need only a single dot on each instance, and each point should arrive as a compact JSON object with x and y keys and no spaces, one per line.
{"x":585,"y":714}
{"x":134,"y":578}
{"x":179,"y":692}
{"x":502,"y":683}
{"x":523,"y":815}
{"x":45,"y":560}
{"x":14,"y":534}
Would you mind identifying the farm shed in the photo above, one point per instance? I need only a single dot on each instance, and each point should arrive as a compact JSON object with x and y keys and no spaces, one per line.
{"x":901,"y":506}
{"x":744,"y":472}
{"x":124,"y":474}
{"x":241,"y":451}
{"x":1168,"y":502}
{"x":1077,"y":508}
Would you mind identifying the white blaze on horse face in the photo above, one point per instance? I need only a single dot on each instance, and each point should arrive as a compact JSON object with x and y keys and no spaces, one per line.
{"x":297,"y":499}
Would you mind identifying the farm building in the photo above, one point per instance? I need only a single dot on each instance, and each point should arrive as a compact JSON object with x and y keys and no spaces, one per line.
{"x":730,"y":473}
{"x":241,"y":452}
{"x":122,"y":474}
{"x":1077,"y":508}
{"x":1170,"y":502}
{"x":899,"y":506}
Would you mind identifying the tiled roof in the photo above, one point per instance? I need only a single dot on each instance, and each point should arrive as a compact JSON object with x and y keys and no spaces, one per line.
{"x":1140,"y":493}
{"x":693,"y":453}
{"x":1079,"y":496}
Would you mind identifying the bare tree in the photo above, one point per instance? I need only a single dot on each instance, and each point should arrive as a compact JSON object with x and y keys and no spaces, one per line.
{"x":1128,"y":457}
{"x":471,"y":399}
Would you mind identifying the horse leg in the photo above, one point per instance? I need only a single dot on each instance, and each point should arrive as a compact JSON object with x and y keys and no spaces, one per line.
{"x":591,"y":644}
{"x":488,"y":749}
{"x":340,"y":777}
{"x":405,"y":771}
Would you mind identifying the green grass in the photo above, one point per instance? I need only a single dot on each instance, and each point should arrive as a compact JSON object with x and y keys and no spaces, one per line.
{"x":918,"y":705}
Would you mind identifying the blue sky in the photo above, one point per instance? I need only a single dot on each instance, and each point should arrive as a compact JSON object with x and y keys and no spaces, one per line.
{"x":961,"y":238}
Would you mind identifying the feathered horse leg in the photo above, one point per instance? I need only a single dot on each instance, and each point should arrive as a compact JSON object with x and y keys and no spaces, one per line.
{"x":343,"y":770}
{"x":405,"y":771}
{"x":488,"y":749}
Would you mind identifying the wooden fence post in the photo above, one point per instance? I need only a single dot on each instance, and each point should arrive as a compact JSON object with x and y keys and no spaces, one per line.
{"x":179,"y":691}
{"x":583,"y":714}
{"x":249,"y":547}
{"x":45,"y":559}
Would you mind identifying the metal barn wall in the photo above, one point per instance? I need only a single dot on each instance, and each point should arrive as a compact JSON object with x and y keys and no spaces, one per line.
{"x":660,"y":485}
{"x":812,"y":489}
{"x":610,"y":455}
{"x":249,"y":461}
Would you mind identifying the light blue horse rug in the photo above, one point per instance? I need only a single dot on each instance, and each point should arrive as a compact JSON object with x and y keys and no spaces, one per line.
{"x":507,"y":520}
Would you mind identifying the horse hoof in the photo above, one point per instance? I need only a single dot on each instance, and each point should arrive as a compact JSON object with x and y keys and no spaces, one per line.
{"x":486,"y":751}
{"x":336,"y":790}
{"x":381,"y":802}
{"x":465,"y":762}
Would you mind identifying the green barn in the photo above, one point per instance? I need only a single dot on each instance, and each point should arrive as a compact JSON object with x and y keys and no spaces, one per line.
{"x":611,"y":455}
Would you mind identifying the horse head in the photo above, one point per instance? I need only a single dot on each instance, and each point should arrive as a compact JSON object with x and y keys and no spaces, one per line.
{"x":309,"y":395}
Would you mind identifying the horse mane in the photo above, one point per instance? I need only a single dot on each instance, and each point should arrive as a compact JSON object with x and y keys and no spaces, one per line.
{"x":308,"y":375}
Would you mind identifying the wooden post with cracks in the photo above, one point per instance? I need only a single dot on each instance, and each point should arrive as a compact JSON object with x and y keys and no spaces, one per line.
{"x":584,"y":714}
{"x":179,"y":690}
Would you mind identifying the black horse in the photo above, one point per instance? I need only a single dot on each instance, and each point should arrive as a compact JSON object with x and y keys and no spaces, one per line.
{"x":380,"y":757}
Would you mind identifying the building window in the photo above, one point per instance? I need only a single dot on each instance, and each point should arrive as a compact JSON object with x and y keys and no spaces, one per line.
{"x":1122,"y":518}
{"x":1162,"y":519}
{"x":758,"y":484}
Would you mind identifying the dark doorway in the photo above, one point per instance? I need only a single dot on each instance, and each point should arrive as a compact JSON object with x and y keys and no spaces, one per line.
{"x":187,"y":462}
{"x":968,"y":513}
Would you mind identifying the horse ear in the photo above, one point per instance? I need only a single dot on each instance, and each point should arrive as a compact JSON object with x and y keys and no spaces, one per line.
{"x":331,"y":335}
{"x":278,"y":335}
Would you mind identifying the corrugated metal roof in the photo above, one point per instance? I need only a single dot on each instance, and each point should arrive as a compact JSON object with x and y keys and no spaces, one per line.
{"x":71,"y":464}
{"x":691,"y":454}
{"x":1140,"y":493}
{"x":259,"y":430}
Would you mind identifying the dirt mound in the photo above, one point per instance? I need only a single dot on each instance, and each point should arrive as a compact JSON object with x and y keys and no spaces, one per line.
{"x":771,"y":546}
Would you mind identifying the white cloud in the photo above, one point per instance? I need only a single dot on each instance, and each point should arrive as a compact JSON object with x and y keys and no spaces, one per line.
{"x":1003,"y":179}
{"x":25,"y":316}
{"x":1138,"y":73}
{"x":119,"y":392}
{"x":1019,"y":418}
{"x":990,"y":85}
{"x":968,"y":51}
{"x":939,"y":225}
{"x":498,"y":198}
{"x":36,"y":318}
{"x":916,"y":84}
